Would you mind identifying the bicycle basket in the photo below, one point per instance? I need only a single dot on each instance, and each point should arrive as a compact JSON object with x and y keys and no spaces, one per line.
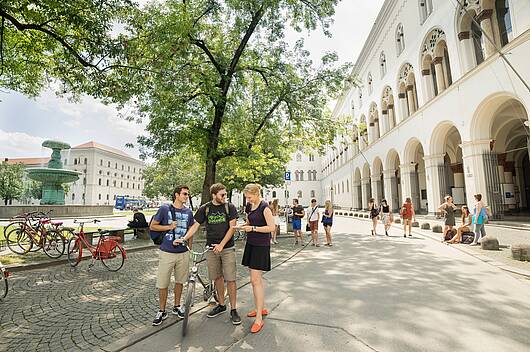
{"x":108,"y":246}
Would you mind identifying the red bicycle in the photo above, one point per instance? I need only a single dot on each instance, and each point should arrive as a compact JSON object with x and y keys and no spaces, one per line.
{"x":108,"y":248}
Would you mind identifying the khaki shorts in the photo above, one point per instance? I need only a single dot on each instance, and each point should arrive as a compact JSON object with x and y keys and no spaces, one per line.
{"x":222,"y":264}
{"x":176,"y":263}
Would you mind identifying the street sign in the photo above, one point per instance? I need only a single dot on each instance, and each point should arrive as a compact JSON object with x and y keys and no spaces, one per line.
{"x":287,"y":176}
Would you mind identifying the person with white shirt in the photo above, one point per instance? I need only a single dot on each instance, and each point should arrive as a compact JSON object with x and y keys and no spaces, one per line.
{"x":313,"y":216}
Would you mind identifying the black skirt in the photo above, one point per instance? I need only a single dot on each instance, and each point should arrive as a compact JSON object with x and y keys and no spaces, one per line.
{"x":257,"y":257}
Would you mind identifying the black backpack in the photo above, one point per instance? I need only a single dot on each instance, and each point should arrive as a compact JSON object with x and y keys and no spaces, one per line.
{"x":158,"y":236}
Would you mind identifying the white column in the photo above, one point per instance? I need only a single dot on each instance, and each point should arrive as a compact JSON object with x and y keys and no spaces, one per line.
{"x":376,"y":188}
{"x":474,"y":168}
{"x":356,"y":189}
{"x":403,"y":107}
{"x":406,"y":183}
{"x":432,"y":176}
{"x":440,"y":77}
{"x":468,"y":55}
{"x":384,"y":123}
{"x":427,"y":83}
{"x":366,"y":192}
{"x":391,"y":117}
{"x":485,"y":23}
{"x":391,"y":190}
{"x":410,"y":99}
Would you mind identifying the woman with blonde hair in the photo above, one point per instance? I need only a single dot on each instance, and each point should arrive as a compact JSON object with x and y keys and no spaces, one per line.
{"x":327,"y":221}
{"x":259,"y":225}
{"x":275,"y":208}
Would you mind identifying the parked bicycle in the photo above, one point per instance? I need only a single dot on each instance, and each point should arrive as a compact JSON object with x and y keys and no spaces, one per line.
{"x":108,"y":248}
{"x":209,"y":293}
{"x":4,"y":286}
{"x":32,"y":233}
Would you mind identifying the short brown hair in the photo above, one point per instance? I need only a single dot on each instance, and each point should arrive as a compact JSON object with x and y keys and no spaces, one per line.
{"x":478,"y":197}
{"x":216,"y":187}
{"x":179,"y":189}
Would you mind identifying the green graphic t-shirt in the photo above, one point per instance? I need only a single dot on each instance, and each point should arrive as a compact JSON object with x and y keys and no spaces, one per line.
{"x":218,"y":222}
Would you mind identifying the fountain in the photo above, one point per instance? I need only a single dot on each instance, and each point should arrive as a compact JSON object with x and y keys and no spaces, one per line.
{"x":53,"y":176}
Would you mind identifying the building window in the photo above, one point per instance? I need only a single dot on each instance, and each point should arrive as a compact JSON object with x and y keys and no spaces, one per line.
{"x":127,"y":184}
{"x":360,"y":98}
{"x":86,"y":161}
{"x":348,"y":186}
{"x":84,"y":181}
{"x":114,"y":183}
{"x":83,"y":196}
{"x":311,"y":157}
{"x":107,"y":197}
{"x":400,"y":39}
{"x":101,"y":162}
{"x":100,"y":172}
{"x":382,"y":64}
{"x":108,"y":164}
{"x":298,"y":157}
{"x":297,"y":175}
{"x":99,"y":196}
{"x":122,"y":166}
{"x":75,"y":161}
{"x":121,"y":184}
{"x":128,"y":168}
{"x":65,"y":161}
{"x":116,"y":165}
{"x":301,"y":175}
{"x":299,"y":194}
{"x":504,"y":20}
{"x":478,"y":42}
{"x":99,"y":182}
{"x":73,"y":197}
{"x":425,"y":9}
{"x":107,"y":182}
{"x":370,"y":81}
{"x":313,"y":194}
{"x":273,"y":194}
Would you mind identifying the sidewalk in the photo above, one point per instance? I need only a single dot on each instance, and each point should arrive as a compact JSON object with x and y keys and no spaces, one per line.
{"x":369,"y":294}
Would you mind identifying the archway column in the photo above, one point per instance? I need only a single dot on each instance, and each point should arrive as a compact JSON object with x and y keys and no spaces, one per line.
{"x":410,"y":99}
{"x":466,"y":44}
{"x":403,"y":108}
{"x":434,"y":166}
{"x":391,"y":117}
{"x":391,"y":189}
{"x":427,"y":83}
{"x":440,"y":77}
{"x":356,"y":190}
{"x":408,"y":172}
{"x":366,"y":191}
{"x":484,"y":17}
{"x":385,"y":123}
{"x":474,"y":168}
{"x":377,"y":193}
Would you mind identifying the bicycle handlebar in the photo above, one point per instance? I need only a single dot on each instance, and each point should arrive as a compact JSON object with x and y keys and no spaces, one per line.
{"x":86,"y":222}
{"x":206,"y":249}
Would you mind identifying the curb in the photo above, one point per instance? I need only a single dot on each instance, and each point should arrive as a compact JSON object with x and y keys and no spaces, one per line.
{"x":481,"y":257}
{"x":145,"y":332}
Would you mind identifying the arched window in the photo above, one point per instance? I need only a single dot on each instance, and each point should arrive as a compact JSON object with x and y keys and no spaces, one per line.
{"x":114,"y":183}
{"x":99,"y":196}
{"x":347,"y":186}
{"x":86,"y":161}
{"x":369,"y":83}
{"x":301,"y":175}
{"x":373,"y":124}
{"x":121,"y":184}
{"x":107,"y":182}
{"x":299,"y":194}
{"x":425,"y":9}
{"x":298,"y":157}
{"x":313,"y":194}
{"x":504,"y":21}
{"x":435,"y":63}
{"x":107,"y":197}
{"x":311,"y":157}
{"x":400,"y":39}
{"x":360,"y":97}
{"x":408,"y":95}
{"x":382,"y":64}
{"x":297,"y":175}
{"x":101,"y":162}
{"x":273,"y":194}
{"x":73,"y":197}
{"x":99,"y":182}
{"x":75,"y":161}
{"x":108,"y":164}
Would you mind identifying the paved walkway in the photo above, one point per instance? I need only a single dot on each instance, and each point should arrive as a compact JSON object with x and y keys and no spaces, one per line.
{"x":372,"y":294}
{"x":62,"y":309}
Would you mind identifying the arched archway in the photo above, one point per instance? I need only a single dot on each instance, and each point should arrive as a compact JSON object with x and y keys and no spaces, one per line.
{"x":357,"y":192}
{"x":366,"y":187}
{"x":373,"y":124}
{"x":377,"y":180}
{"x":413,"y":175}
{"x":435,"y":64}
{"x":408,"y":94}
{"x":446,"y":142}
{"x":393,"y":192}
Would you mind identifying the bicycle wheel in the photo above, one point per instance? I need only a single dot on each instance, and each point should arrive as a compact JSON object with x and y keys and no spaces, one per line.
{"x":4,"y":287}
{"x":67,"y":233}
{"x":114,"y":258}
{"x":53,"y":244}
{"x":37,"y":241}
{"x":18,"y":241}
{"x":190,"y":292}
{"x":75,"y":251}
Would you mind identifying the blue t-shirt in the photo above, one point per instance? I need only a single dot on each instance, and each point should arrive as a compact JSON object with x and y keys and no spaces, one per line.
{"x":184,"y":218}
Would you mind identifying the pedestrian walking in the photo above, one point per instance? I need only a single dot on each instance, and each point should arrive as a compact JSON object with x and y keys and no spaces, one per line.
{"x":374,"y":215}
{"x":407,"y":214}
{"x":327,"y":221}
{"x":312,"y":219}
{"x":172,"y":221}
{"x":220,"y":218}
{"x":259,"y":225}
{"x":448,"y":208}
{"x":478,"y":219}
{"x":275,"y":208}
{"x":298,"y":215}
{"x":386,"y":215}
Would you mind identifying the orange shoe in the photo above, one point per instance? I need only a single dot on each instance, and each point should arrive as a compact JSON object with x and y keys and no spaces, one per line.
{"x":252,"y":314}
{"x":257,"y":327}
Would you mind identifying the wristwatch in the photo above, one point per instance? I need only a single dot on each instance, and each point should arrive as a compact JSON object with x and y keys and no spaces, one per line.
{"x":254,"y":228}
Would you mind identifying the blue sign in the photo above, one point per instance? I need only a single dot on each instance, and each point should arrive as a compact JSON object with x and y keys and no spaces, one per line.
{"x":287,"y":176}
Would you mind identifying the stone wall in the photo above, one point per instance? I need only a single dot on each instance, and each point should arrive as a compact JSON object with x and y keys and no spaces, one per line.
{"x":7,"y":212}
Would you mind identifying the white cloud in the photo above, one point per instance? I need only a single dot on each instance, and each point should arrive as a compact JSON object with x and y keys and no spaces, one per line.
{"x":19,"y":144}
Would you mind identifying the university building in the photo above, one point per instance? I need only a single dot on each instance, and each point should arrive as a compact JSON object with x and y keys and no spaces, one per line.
{"x":437,"y":110}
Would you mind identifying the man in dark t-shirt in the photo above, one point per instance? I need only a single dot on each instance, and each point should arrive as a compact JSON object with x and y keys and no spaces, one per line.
{"x":220,"y":217}
{"x":298,"y":214}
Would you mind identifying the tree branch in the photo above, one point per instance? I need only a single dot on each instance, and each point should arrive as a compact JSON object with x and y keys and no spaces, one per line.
{"x":265,"y":118}
{"x":202,"y":45}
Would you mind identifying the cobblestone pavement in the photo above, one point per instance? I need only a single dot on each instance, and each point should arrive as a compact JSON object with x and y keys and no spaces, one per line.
{"x":64,"y":309}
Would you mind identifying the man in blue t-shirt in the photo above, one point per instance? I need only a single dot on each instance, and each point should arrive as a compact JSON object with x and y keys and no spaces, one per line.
{"x":173,"y":220}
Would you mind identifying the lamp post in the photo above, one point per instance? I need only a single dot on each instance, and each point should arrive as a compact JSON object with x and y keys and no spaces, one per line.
{"x":332,"y":193}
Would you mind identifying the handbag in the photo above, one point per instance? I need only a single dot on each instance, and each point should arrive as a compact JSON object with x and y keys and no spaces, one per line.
{"x":307,"y":226}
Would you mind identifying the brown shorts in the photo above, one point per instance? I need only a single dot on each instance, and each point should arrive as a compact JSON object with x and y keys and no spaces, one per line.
{"x":168,"y":263}
{"x":222,"y":264}
{"x":313,"y":225}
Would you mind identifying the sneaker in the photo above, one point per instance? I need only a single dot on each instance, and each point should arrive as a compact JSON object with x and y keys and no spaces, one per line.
{"x":405,"y":235}
{"x":178,"y":311}
{"x":410,"y":235}
{"x":218,"y":309}
{"x":236,"y":320}
{"x":160,"y":316}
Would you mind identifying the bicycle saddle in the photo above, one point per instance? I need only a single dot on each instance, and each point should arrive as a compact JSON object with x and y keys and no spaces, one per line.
{"x":56,"y":223}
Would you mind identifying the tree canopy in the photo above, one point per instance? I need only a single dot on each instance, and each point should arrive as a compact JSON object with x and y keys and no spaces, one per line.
{"x":11,"y":186}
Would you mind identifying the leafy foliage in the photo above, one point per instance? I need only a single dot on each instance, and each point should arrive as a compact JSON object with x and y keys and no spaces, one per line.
{"x":11,"y":186}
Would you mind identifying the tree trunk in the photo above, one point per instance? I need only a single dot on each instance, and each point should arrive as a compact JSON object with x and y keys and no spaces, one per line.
{"x":209,"y":179}
{"x":230,"y":194}
{"x":212,"y":156}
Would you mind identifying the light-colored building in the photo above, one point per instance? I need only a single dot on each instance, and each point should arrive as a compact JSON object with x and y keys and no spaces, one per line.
{"x":106,"y":173}
{"x":305,"y":181}
{"x":438,"y":110}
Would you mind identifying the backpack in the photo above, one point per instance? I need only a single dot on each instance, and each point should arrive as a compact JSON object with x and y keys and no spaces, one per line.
{"x":158,"y":236}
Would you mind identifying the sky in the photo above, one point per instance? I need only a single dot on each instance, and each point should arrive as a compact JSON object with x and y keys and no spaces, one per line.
{"x":25,"y":123}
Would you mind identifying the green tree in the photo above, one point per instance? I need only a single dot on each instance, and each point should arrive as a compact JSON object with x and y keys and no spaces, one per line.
{"x":71,"y":41}
{"x":219,"y":77}
{"x":11,"y":186}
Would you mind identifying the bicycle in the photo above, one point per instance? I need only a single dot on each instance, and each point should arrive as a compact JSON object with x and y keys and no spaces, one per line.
{"x":32,"y":237}
{"x":193,"y":276}
{"x":4,"y":286}
{"x":108,"y":248}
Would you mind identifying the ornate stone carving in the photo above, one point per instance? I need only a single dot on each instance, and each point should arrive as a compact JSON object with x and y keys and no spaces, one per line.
{"x":434,"y":37}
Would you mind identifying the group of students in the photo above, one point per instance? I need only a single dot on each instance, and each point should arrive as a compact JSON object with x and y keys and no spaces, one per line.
{"x":176,"y":224}
{"x":313,"y":218}
{"x":471,"y":221}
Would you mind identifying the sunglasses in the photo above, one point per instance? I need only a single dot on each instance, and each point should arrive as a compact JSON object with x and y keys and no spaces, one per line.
{"x":184,"y":194}
{"x":223,"y":195}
